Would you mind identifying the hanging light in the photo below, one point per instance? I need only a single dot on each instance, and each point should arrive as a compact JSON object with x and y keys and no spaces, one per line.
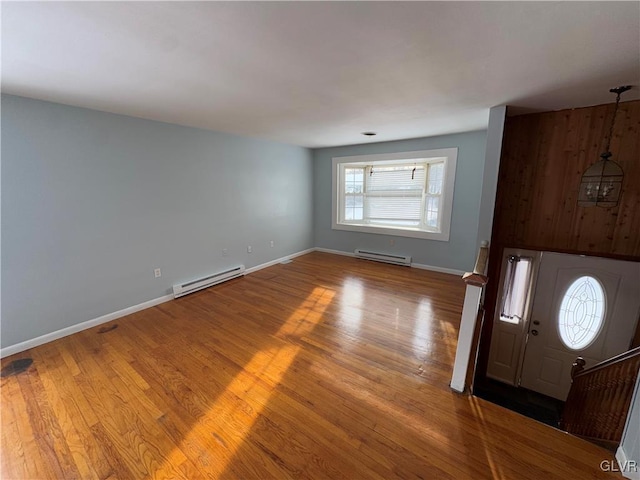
{"x":601,"y":184}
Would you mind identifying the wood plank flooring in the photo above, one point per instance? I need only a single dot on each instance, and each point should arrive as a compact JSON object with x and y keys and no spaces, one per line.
{"x":326,"y":367}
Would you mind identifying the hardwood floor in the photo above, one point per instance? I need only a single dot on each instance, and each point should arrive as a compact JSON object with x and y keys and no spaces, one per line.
{"x":327,"y":367}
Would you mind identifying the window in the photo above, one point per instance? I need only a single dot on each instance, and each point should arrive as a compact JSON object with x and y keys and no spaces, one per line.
{"x":405,"y":194}
{"x":515,"y":291}
{"x":581,"y":313}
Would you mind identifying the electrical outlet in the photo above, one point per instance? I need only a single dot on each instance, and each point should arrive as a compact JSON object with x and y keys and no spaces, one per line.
{"x":157,"y":273}
{"x":249,"y":249}
{"x":224,"y":252}
{"x":271,"y":243}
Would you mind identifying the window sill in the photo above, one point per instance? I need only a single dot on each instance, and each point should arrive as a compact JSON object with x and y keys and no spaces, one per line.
{"x":395,"y":231}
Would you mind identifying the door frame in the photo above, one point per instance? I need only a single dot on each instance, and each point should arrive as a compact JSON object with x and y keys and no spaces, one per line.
{"x":615,"y":280}
{"x":512,"y":376}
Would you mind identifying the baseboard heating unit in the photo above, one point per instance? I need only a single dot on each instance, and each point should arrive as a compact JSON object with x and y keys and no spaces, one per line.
{"x":383,"y":257}
{"x":195,"y":285}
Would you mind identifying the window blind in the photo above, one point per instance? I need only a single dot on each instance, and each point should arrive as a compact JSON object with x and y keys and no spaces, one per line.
{"x":401,"y":179}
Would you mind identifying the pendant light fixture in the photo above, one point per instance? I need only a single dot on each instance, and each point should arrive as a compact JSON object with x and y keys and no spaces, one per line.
{"x":601,"y":184}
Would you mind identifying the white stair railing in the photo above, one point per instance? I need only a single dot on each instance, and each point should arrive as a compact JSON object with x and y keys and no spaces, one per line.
{"x":475,"y":281}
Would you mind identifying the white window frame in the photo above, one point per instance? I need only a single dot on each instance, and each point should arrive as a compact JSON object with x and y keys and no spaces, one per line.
{"x":448,"y":155}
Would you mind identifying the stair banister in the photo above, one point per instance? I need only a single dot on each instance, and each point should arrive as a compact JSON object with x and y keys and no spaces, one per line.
{"x":600,"y":396}
{"x":475,"y":281}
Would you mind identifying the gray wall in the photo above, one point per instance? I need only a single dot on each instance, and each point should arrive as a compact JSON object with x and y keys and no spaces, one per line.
{"x":92,"y":202}
{"x":460,"y":251}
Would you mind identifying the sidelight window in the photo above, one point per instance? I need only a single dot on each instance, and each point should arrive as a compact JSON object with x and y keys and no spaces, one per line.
{"x":515,"y":290}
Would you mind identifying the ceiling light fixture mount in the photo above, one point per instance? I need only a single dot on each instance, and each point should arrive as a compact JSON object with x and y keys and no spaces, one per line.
{"x":601,"y":183}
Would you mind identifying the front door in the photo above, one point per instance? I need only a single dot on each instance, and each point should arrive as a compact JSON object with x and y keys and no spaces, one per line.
{"x":583,"y":306}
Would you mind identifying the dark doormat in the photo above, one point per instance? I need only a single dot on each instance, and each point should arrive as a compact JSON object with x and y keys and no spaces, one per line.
{"x":526,"y":402}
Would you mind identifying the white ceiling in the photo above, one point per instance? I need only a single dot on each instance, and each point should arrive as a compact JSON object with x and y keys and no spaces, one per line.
{"x":320,"y":73}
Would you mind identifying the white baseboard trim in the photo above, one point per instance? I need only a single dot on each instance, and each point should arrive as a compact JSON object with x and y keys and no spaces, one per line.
{"x":433,"y":268}
{"x":50,"y":337}
{"x":420,"y":266}
{"x":64,"y":332}
{"x":626,"y":468}
{"x":335,"y":252}
{"x":278,"y":260}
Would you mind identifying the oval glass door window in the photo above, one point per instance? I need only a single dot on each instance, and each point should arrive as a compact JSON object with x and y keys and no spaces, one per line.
{"x":581,"y":313}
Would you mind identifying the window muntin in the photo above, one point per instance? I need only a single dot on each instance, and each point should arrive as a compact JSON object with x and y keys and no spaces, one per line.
{"x":581,"y":313}
{"x":396,"y":194}
{"x":353,"y":194}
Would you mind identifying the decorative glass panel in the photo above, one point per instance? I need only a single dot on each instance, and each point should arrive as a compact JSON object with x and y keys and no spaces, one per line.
{"x":581,"y":313}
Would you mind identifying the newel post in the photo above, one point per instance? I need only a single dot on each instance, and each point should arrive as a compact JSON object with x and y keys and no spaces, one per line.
{"x":475,"y":281}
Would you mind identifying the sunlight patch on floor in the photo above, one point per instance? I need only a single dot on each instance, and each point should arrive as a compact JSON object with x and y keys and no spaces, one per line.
{"x":423,"y":327}
{"x":351,"y":301}
{"x":452,"y":341}
{"x":496,"y":470}
{"x":420,"y":424}
{"x":230,"y":419}
{"x":413,"y":421}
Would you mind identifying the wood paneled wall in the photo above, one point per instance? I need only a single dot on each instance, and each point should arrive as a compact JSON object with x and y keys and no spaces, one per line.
{"x":543,"y":158}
